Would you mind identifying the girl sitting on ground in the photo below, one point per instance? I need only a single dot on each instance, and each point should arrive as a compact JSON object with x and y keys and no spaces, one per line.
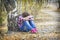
{"x":26,"y":23}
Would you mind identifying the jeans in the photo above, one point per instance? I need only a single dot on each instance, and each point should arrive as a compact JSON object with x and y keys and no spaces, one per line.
{"x":27,"y":26}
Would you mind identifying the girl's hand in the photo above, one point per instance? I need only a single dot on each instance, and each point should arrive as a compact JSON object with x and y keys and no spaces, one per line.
{"x":30,"y":17}
{"x":26,"y":18}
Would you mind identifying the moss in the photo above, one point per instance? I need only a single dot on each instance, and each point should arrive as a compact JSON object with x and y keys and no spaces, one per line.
{"x":1,"y":19}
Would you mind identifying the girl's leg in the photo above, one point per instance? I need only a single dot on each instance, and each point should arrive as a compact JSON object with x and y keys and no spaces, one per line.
{"x":22,"y":28}
{"x":27,"y":26}
{"x":32,"y":23}
{"x":34,"y":30}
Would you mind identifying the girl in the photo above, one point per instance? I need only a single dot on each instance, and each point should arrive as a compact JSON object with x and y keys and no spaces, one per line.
{"x":26,"y":23}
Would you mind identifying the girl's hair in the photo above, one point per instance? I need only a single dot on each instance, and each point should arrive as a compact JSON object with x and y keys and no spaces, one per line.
{"x":25,"y":14}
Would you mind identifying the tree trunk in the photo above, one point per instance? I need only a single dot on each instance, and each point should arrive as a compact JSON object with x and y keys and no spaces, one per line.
{"x":10,"y":6}
{"x":3,"y":19}
{"x":59,"y":3}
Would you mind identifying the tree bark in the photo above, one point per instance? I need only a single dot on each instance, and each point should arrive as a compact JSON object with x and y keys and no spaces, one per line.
{"x":9,"y":5}
{"x":3,"y":19}
{"x":59,"y":3}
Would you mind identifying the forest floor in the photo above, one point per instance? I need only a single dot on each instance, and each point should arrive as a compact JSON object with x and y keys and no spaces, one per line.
{"x":30,"y":36}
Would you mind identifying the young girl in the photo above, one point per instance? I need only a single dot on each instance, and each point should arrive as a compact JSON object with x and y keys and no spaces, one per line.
{"x":26,"y":23}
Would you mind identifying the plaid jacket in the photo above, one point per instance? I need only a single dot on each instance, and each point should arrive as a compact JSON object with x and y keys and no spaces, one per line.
{"x":20,"y":20}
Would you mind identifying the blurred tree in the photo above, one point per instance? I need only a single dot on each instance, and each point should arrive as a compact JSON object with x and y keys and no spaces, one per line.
{"x":59,"y":3}
{"x":3,"y":18}
{"x":9,"y":4}
{"x":5,"y":7}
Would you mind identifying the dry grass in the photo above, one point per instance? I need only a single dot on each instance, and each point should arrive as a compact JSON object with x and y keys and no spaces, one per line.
{"x":29,"y":36}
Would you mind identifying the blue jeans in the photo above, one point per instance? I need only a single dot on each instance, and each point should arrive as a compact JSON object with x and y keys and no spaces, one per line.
{"x":27,"y":26}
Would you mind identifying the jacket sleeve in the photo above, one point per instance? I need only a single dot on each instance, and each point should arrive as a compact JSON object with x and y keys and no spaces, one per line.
{"x":20,"y":20}
{"x":31,"y":17}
